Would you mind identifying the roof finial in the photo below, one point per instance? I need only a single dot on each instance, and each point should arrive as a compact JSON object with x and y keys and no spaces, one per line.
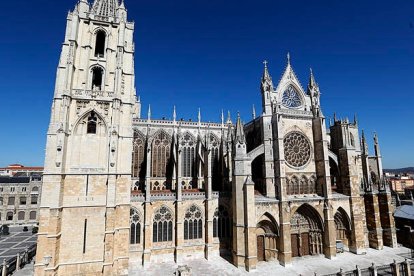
{"x":149,"y":112}
{"x":254,"y":112}
{"x":229,"y":118}
{"x":239,"y":130}
{"x":222,"y":117}
{"x":288,"y":58}
{"x":174,"y":114}
{"x":199,"y":115}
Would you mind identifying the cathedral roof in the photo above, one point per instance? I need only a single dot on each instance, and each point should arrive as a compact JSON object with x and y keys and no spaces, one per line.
{"x":105,"y":7}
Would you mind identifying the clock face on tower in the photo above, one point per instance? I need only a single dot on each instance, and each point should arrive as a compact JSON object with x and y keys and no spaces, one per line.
{"x":291,"y":98}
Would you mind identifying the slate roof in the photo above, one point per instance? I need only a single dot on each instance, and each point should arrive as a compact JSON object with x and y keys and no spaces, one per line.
{"x":405,"y":212}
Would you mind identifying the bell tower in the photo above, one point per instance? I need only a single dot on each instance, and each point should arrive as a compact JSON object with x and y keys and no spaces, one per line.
{"x":85,"y":206}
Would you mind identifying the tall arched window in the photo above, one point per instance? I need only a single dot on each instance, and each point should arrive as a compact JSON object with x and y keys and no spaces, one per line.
{"x":304,"y":186}
{"x":221,"y":223}
{"x":193,"y":223}
{"x":295,"y":185}
{"x":215,"y":162}
{"x":100,"y":44}
{"x":188,"y":146}
{"x":352,"y":139}
{"x":135,"y":220}
{"x":138,"y":154}
{"x":161,"y":147}
{"x":97,"y":78}
{"x":92,"y":122}
{"x":162,"y":227}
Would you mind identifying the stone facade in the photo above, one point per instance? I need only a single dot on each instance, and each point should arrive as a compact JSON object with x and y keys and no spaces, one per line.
{"x":121,"y":190}
{"x":20,"y":199}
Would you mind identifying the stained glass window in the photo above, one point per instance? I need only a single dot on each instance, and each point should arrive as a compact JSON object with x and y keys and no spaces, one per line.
{"x":291,"y":98}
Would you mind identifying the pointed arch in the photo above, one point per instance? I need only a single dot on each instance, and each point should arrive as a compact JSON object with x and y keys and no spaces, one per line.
{"x":100,"y":42}
{"x":161,"y":152}
{"x":138,"y":155}
{"x":188,"y":144}
{"x":306,"y":231}
{"x":267,"y":233}
{"x":222,"y":223}
{"x":343,"y":226}
{"x":162,"y":227}
{"x":97,"y":77}
{"x":193,"y":223}
{"x":135,"y":220}
{"x":91,"y":116}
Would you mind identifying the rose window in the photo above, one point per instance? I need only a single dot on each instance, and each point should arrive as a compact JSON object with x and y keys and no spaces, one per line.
{"x":297,"y":149}
{"x":291,"y":98}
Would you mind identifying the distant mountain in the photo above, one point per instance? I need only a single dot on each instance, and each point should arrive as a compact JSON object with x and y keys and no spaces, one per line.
{"x":409,"y":170}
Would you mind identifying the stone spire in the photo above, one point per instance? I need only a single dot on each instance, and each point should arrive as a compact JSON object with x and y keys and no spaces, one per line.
{"x":267,"y":89}
{"x":174,"y":114}
{"x":199,"y":116}
{"x":267,"y":82}
{"x":149,"y":113}
{"x":229,"y":118}
{"x":313,"y":91}
{"x":312,"y":82}
{"x":239,"y":136}
{"x":105,"y":8}
{"x":254,"y":112}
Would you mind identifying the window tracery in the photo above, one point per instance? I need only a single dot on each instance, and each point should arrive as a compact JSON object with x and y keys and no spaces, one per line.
{"x":297,"y":149}
{"x":291,"y":98}
{"x":300,"y":185}
{"x":135,"y":233}
{"x":161,"y":147}
{"x":193,"y":223}
{"x":162,"y":227}
{"x":188,"y":147}
{"x":221,"y":223}
{"x":138,"y":155}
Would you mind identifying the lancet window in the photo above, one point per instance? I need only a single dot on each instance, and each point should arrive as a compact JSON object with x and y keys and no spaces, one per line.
{"x":188,"y":151}
{"x":162,"y":227}
{"x":300,"y":186}
{"x":193,"y":223}
{"x":161,"y":147}
{"x":221,"y":223}
{"x":100,"y":44}
{"x":135,"y":233}
{"x":138,"y":155}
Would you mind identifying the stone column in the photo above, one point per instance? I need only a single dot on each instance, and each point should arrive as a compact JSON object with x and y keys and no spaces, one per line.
{"x":179,"y":230}
{"x":285,"y":240}
{"x":387,"y":219}
{"x":209,"y":212}
{"x":407,"y":267}
{"x":324,"y":184}
{"x":250,"y":231}
{"x":148,"y":213}
{"x":373,"y":221}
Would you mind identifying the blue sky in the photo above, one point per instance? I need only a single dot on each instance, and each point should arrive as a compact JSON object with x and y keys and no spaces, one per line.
{"x":209,"y":54}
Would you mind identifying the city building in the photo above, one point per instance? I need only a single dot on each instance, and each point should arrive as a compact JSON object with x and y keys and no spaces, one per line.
{"x":20,"y":170}
{"x":401,"y":183}
{"x":120,"y":190}
{"x":20,"y":199}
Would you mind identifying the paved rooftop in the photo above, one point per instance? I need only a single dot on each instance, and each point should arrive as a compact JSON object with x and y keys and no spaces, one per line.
{"x":304,"y":266}
{"x":16,"y":242}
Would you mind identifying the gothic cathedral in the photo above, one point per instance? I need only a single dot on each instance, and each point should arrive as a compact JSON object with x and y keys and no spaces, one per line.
{"x":120,"y":190}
